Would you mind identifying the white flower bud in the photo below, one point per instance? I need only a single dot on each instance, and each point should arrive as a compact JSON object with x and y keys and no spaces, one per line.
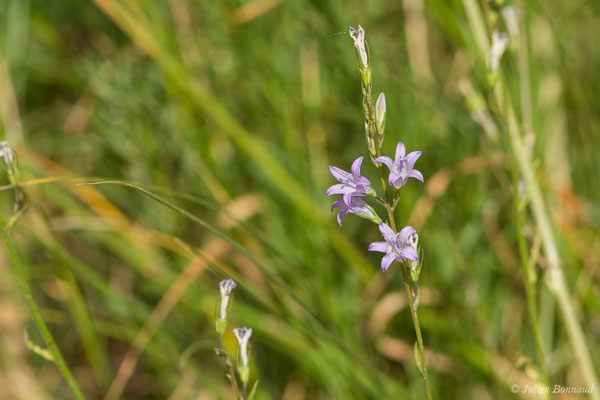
{"x":226,"y":286}
{"x":358,"y":36}
{"x":510,"y":15}
{"x":499,"y":45}
{"x":380,"y":113}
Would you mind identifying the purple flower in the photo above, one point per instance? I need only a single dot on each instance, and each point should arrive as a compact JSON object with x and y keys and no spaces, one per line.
{"x":402,"y":167}
{"x":395,"y":245}
{"x":357,"y":206}
{"x":352,"y":184}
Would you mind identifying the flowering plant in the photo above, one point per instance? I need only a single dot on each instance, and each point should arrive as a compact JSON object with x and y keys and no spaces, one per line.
{"x":403,"y":245}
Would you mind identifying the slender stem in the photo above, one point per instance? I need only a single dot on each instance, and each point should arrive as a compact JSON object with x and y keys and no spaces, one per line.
{"x":371,"y":133}
{"x":554,"y":276}
{"x":231,"y":373}
{"x":415,"y":319}
{"x":37,"y":316}
{"x":528,"y":276}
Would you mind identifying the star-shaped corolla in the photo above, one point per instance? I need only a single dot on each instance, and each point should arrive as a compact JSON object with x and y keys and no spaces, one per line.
{"x":395,"y":246}
{"x":402,"y":167}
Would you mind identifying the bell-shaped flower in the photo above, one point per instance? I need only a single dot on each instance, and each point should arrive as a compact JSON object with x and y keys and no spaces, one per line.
{"x":356,"y":206}
{"x":402,"y":167}
{"x":395,"y":246}
{"x":351,"y":183}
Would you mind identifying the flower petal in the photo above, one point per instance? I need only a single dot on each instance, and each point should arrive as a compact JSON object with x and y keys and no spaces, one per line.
{"x":415,"y":174}
{"x":341,"y":215}
{"x":386,"y":160}
{"x":338,"y":204}
{"x":387,"y":232}
{"x":409,"y":253}
{"x":356,"y":166}
{"x":404,"y":234}
{"x":411,"y":158}
{"x":340,"y":188}
{"x":339,"y":174}
{"x":400,"y":152}
{"x":347,"y":199}
{"x":378,"y":246}
{"x":400,"y":182}
{"x":393,"y":178}
{"x":386,"y":261}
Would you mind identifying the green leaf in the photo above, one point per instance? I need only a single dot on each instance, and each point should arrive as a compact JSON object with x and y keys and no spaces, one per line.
{"x":253,"y":391}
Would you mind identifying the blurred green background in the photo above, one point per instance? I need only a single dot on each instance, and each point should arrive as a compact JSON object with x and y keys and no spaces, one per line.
{"x":233,"y":110}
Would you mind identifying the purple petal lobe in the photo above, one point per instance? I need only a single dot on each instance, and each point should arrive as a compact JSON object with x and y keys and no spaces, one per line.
{"x":339,"y":174}
{"x":416,"y":174}
{"x":339,"y":188}
{"x":404,"y":234}
{"x":347,"y":198}
{"x":356,"y":166}
{"x":400,"y":152}
{"x":378,"y":246}
{"x":411,"y":158}
{"x":387,"y":232}
{"x":409,"y":253}
{"x":386,"y":261}
{"x":394,"y":177}
{"x":341,"y":215}
{"x":338,"y":204}
{"x":386,"y":160}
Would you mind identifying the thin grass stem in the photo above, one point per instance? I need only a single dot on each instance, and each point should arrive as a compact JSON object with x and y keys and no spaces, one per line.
{"x":37,"y":316}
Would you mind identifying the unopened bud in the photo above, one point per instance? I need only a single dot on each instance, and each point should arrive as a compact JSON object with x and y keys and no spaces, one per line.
{"x":243,"y":362}
{"x":358,"y":37}
{"x":10,"y":162}
{"x":380,"y":113}
{"x":499,"y":45}
{"x":226,"y":286}
{"x":415,"y":266}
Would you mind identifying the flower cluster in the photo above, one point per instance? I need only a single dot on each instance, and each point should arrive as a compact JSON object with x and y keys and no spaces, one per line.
{"x":352,"y":187}
{"x":355,"y":189}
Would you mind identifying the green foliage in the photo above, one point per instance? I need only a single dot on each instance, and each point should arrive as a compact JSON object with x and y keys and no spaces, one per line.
{"x":228,"y":121}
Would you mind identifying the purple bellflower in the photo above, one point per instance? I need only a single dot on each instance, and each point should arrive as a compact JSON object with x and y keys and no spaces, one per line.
{"x":351,"y":183}
{"x":357,"y":206}
{"x":402,"y":167}
{"x":395,"y":245}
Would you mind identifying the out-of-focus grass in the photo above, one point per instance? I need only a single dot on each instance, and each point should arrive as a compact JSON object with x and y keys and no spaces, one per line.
{"x":241,"y":107}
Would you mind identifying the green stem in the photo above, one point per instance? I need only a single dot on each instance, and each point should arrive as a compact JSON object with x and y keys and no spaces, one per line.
{"x":554,"y":275}
{"x":415,"y":319}
{"x":529,"y":277}
{"x":371,"y":132}
{"x":37,"y":316}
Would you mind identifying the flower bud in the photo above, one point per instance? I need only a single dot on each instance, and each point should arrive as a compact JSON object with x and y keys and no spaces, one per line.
{"x":499,"y":45}
{"x":415,"y":266}
{"x":226,"y":286}
{"x":243,"y":364}
{"x":358,"y":37}
{"x":380,"y":114}
{"x":10,"y":162}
